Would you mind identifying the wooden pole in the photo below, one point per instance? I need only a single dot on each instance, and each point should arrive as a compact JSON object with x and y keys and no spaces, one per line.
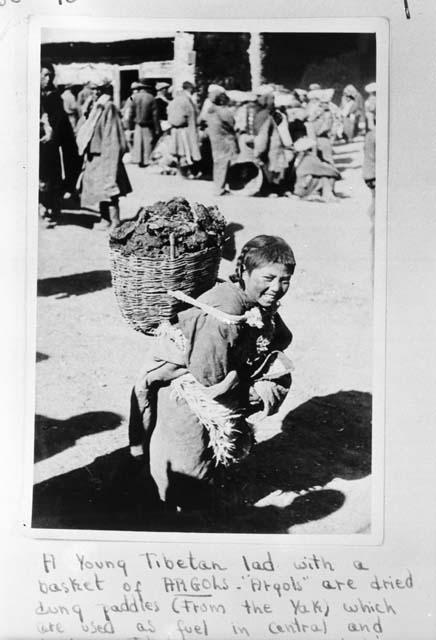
{"x":255,"y":56}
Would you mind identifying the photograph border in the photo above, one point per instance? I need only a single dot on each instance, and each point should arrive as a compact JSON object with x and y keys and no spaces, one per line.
{"x":379,"y":26}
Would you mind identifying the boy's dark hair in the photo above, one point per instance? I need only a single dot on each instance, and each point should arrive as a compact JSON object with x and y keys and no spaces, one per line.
{"x":262,"y":250}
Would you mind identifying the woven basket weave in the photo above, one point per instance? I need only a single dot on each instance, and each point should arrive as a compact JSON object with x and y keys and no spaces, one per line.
{"x":141,"y":284}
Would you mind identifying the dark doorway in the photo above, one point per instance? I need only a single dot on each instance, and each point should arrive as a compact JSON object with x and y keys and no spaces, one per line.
{"x":126,"y":78}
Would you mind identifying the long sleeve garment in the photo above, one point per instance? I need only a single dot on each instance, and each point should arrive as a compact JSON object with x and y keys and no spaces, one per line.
{"x":180,"y":458}
{"x":105,"y":176}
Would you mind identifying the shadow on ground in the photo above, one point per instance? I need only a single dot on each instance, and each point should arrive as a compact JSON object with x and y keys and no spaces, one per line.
{"x":75,"y":284}
{"x":229,"y":248}
{"x":78,"y":218}
{"x":54,"y":436}
{"x":324,"y":438}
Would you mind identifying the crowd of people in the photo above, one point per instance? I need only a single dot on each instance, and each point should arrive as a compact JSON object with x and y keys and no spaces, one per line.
{"x":273,"y":141}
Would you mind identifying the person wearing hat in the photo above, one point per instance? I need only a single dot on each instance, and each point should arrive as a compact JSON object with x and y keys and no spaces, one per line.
{"x":182,"y":116}
{"x":163,"y":97}
{"x":102,"y":143}
{"x":143,"y":119}
{"x":127,"y":112}
{"x":161,"y":154}
{"x":83,"y":96}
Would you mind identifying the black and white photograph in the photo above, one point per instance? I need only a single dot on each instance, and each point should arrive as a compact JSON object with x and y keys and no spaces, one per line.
{"x":210,"y":280}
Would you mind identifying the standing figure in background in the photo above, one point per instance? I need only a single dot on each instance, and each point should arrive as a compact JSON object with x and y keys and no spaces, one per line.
{"x":182,"y":116}
{"x":370,"y":105}
{"x":296,"y":113}
{"x":320,"y":125}
{"x":212,"y":91}
{"x":86,"y":106}
{"x":163,"y":98}
{"x":162,"y":150}
{"x":144,"y":119}
{"x":127,"y":113}
{"x":58,"y":157}
{"x":352,"y":112}
{"x":102,"y":141}
{"x":269,"y":148}
{"x":222,"y":135}
{"x":244,"y":124}
{"x":50,"y":166}
{"x":83,"y":96}
{"x":70,"y":106}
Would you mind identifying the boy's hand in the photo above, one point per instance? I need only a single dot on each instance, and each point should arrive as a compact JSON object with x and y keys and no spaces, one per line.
{"x":230,"y":382}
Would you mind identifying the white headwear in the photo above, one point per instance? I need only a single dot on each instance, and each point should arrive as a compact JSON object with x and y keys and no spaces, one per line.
{"x":371,"y":87}
{"x":326,"y":95}
{"x":315,"y":94}
{"x":239,"y":97}
{"x":284,"y":99}
{"x":264,"y":90}
{"x":301,"y":93}
{"x":215,"y":88}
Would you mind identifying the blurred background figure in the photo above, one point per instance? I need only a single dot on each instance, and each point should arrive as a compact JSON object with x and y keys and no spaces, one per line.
{"x":296,"y":113}
{"x":145,"y":123}
{"x":269,"y":145}
{"x":58,"y":158}
{"x":320,"y":124}
{"x":162,"y":151}
{"x":245,"y":108}
{"x":312,"y":176}
{"x":83,"y":96}
{"x":212,"y":91}
{"x":127,"y":113}
{"x":352,"y":109}
{"x":102,"y":142}
{"x":182,"y":116}
{"x":89,"y":97}
{"x":370,"y":105}
{"x":221,"y":131}
{"x":163,"y":97}
{"x":50,"y":166}
{"x":70,"y":106}
{"x":206,"y":164}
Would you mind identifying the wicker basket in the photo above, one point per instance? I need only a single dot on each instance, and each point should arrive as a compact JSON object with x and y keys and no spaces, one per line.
{"x":141,"y":284}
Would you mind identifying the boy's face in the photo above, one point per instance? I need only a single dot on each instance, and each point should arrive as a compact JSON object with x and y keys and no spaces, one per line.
{"x":265,"y":285}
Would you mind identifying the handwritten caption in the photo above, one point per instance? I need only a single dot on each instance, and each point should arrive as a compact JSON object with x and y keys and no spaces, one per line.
{"x":156,"y":595}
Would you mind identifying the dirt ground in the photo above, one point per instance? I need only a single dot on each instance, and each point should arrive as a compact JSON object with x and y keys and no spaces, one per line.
{"x":311,"y":469}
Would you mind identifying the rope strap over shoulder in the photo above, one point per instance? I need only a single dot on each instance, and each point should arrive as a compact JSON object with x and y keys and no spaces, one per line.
{"x":252,"y":317}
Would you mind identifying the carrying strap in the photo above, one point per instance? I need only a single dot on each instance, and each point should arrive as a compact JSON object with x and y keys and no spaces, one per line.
{"x":251,"y":317}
